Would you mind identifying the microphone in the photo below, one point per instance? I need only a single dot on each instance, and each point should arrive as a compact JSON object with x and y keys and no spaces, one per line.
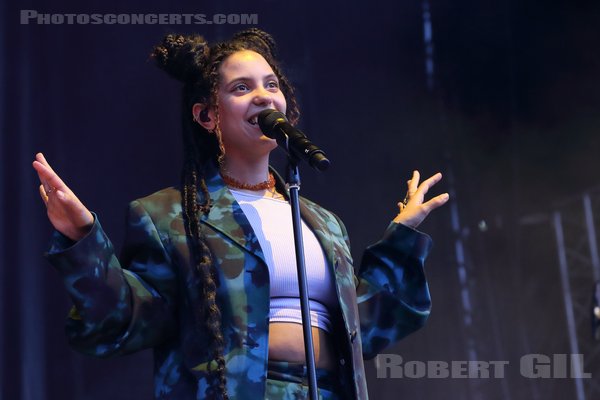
{"x":276,"y":126}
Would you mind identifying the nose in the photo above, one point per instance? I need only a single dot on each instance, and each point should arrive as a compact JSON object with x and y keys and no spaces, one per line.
{"x":262,"y":97}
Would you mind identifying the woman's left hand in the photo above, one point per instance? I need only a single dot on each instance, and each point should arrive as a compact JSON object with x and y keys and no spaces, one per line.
{"x":413,"y":210}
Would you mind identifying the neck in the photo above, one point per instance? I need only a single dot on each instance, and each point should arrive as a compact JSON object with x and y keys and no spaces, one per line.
{"x":247,"y":172}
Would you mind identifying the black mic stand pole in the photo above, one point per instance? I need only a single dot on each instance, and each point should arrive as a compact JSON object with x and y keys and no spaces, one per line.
{"x":293,"y":181}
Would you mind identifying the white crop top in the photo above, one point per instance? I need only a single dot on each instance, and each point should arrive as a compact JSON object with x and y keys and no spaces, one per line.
{"x":271,"y":220}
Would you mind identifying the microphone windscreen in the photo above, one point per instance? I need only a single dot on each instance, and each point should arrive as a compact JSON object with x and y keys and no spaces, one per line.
{"x":268,"y":119}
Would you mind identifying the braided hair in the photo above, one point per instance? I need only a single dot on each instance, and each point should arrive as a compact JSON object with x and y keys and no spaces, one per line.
{"x":189,"y":59}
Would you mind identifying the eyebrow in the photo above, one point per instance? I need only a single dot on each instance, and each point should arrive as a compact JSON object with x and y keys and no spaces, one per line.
{"x":246,"y":78}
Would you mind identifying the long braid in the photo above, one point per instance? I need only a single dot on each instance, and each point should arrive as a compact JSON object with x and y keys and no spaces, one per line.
{"x":190,"y":60}
{"x":205,"y":267}
{"x":209,"y":315}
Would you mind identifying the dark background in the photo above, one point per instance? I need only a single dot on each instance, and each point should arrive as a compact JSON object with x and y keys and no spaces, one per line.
{"x":510,"y":116}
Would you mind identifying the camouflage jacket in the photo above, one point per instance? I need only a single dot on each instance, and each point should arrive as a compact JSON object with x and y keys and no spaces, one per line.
{"x":145,"y":299}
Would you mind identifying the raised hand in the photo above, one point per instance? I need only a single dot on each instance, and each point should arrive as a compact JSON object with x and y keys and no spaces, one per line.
{"x":66,"y":213}
{"x":413,"y":210}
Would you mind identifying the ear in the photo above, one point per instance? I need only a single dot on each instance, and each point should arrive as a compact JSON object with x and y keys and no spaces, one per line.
{"x":204,"y":115}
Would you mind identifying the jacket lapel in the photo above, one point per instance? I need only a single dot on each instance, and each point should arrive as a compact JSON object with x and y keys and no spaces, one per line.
{"x":311,"y":217}
{"x":226,"y":215}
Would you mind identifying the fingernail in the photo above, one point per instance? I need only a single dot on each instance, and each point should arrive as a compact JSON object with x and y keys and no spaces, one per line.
{"x":60,"y":195}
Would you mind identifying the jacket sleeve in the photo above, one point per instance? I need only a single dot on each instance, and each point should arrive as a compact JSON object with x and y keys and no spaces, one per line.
{"x":119,"y":306}
{"x":392,"y":292}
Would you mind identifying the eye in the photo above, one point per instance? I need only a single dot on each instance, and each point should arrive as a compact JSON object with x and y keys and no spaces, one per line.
{"x":241,"y":87}
{"x":273,"y":85}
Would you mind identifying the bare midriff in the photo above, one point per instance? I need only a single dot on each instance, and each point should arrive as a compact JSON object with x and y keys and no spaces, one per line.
{"x":286,"y":343}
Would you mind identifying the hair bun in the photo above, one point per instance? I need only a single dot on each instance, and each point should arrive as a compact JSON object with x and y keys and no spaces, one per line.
{"x":259,"y":37}
{"x":181,"y":56}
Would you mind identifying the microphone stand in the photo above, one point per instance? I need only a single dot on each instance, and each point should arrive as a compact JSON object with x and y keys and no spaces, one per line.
{"x":293,"y":181}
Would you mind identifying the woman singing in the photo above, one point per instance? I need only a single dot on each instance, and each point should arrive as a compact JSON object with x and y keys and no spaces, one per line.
{"x":207,"y":275}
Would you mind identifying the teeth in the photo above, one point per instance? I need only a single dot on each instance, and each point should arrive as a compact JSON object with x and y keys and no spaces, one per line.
{"x":253,"y":120}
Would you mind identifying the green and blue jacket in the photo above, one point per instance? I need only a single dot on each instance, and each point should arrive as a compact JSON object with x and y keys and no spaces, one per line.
{"x":146,"y":297}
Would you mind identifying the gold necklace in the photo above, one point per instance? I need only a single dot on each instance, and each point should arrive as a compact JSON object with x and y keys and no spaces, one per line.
{"x":234,"y":183}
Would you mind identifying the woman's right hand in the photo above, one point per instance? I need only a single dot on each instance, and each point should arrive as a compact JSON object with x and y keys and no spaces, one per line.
{"x":66,"y":213}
